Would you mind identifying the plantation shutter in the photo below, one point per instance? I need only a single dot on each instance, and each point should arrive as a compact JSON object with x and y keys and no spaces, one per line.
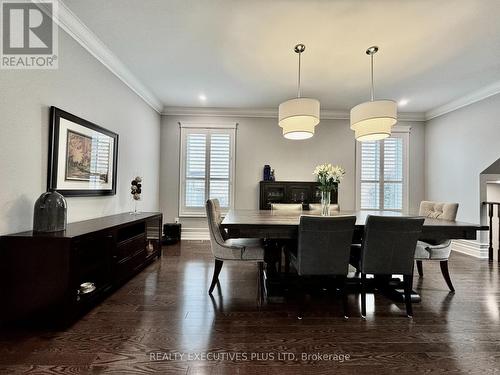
{"x":196,"y":146}
{"x":207,"y":168}
{"x":382,"y":174}
{"x":220,"y":160}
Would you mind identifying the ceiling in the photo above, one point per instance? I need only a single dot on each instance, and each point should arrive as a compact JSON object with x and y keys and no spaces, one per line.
{"x":238,"y":53}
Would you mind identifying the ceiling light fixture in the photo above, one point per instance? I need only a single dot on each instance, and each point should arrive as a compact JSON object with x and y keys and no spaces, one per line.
{"x":373,"y":120}
{"x":202,"y":97}
{"x":403,"y":102}
{"x":299,"y":116}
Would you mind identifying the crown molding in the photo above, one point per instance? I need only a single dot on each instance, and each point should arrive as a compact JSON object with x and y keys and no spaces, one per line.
{"x":267,"y":113}
{"x":220,"y":112}
{"x":411,"y":116}
{"x":75,"y":28}
{"x":466,"y":100}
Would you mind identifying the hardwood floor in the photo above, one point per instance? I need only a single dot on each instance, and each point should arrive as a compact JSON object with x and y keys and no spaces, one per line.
{"x":166,"y":310}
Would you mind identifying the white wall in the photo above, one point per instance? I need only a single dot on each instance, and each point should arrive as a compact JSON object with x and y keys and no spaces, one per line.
{"x":84,"y":87}
{"x":259,"y":141}
{"x":459,"y":146}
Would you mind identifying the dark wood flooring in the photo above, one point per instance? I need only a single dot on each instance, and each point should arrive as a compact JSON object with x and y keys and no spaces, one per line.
{"x":166,"y":310}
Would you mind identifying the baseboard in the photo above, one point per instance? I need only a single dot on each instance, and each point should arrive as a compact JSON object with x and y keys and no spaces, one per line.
{"x":472,"y":248}
{"x":195,"y":234}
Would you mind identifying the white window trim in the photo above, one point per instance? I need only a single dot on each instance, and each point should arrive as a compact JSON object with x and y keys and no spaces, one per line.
{"x":403,"y":131}
{"x":205,"y":128}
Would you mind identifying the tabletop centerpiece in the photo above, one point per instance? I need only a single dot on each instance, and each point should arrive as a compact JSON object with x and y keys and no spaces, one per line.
{"x":328,"y":177}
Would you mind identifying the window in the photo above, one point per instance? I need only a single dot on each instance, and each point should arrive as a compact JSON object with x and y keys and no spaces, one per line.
{"x":207,"y":167}
{"x":382,"y":172}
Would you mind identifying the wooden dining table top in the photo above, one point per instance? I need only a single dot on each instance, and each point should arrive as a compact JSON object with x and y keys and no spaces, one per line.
{"x":255,"y":223}
{"x":284,"y":217}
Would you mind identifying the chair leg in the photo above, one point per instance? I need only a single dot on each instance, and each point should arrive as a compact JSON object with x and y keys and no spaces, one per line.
{"x":344,"y":297}
{"x":287,"y":261}
{"x":280,"y":256}
{"x":408,"y":287}
{"x":301,"y":293}
{"x":261,"y":287}
{"x":363,"y":295}
{"x":446,"y":274}
{"x":215,"y":278}
{"x":420,"y":268}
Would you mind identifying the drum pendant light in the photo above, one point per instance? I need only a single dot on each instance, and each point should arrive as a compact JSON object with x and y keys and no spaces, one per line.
{"x":299,"y":116}
{"x":373,"y":120}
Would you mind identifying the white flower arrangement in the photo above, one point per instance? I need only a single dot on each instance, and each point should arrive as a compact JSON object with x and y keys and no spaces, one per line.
{"x":329,"y":176}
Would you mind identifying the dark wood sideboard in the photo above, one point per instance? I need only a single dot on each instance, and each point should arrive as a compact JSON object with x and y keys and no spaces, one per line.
{"x":41,"y":273}
{"x":304,"y":192}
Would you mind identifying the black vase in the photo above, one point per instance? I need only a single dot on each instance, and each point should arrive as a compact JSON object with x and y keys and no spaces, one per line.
{"x":50,"y":213}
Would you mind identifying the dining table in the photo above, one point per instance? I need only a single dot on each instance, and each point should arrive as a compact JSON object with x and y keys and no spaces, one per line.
{"x":282,"y":225}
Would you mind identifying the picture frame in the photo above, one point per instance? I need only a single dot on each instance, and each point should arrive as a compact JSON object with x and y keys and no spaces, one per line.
{"x":83,"y":156}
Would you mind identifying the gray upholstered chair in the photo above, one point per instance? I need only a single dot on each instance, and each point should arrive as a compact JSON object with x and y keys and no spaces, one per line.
{"x":286,"y":206}
{"x":323,"y":250}
{"x":245,"y":249}
{"x":388,"y":248}
{"x":317,"y":207}
{"x":440,"y":251}
{"x":278,"y":246}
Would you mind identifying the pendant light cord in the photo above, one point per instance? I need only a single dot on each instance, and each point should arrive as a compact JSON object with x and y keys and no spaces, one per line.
{"x":298,"y":86}
{"x":372,"y":91}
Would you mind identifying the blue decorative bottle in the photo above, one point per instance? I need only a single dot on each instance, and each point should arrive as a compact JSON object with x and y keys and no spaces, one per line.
{"x":267,"y":173}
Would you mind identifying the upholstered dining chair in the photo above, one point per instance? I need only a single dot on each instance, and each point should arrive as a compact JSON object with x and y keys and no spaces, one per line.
{"x":388,"y":248}
{"x":436,"y":251}
{"x":224,"y":249}
{"x":286,"y":206}
{"x":323,"y":250}
{"x":278,"y":246}
{"x":317,"y":207}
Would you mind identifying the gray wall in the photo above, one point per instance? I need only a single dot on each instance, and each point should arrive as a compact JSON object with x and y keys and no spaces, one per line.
{"x":259,"y":141}
{"x":84,"y":87}
{"x":458,"y":147}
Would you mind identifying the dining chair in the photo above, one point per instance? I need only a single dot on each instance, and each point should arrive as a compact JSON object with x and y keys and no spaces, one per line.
{"x":388,"y":248}
{"x":436,"y":251}
{"x":224,"y":249}
{"x":277,"y":247}
{"x":323,"y":250}
{"x":317,"y":207}
{"x":286,"y":206}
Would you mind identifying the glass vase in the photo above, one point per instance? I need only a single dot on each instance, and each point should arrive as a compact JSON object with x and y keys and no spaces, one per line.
{"x":134,"y":207}
{"x":325,"y":202}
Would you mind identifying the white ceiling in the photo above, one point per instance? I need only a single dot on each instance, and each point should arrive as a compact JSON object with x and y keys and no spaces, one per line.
{"x":239,"y":52}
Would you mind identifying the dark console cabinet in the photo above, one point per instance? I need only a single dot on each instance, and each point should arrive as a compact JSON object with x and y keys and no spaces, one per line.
{"x":41,"y":275}
{"x":304,"y":192}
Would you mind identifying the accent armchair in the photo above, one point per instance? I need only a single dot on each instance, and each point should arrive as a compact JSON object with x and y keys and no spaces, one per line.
{"x":223,"y":249}
{"x":317,"y":207}
{"x":286,"y":206}
{"x":431,"y":251}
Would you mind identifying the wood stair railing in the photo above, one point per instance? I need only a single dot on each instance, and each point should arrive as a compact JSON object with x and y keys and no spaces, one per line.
{"x":491,"y":206}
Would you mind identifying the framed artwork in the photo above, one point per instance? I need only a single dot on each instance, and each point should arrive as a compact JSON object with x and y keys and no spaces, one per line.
{"x":82,"y":156}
